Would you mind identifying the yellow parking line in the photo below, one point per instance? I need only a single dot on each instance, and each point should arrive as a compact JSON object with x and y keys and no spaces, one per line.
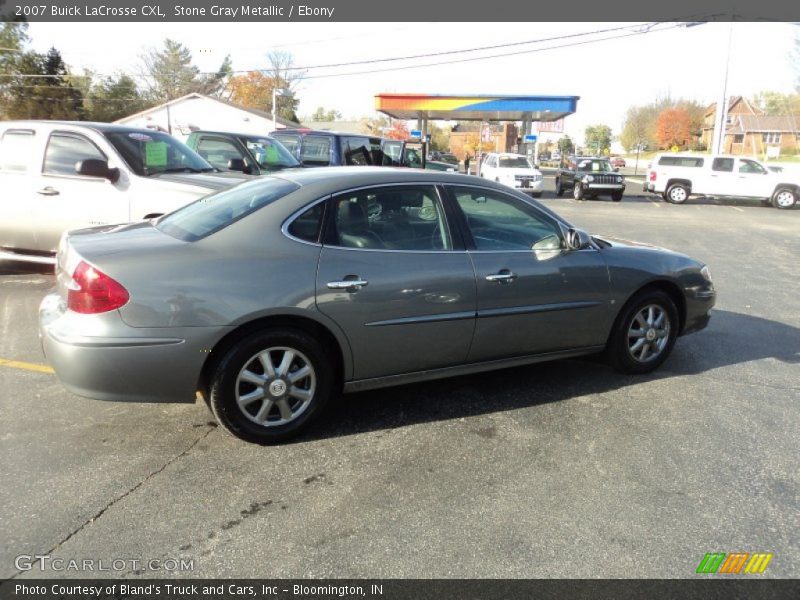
{"x":737,"y":208}
{"x":18,"y":364}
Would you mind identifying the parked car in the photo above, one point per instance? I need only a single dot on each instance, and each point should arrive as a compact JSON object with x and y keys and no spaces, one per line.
{"x":446,"y":157}
{"x":617,"y":161}
{"x":271,"y":297}
{"x":330,"y":149}
{"x":589,"y":177}
{"x":56,"y":176}
{"x":513,"y":170}
{"x":677,"y":177}
{"x":241,"y":152}
{"x":399,"y":153}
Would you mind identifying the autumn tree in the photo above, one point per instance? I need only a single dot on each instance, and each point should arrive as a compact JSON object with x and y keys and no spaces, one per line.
{"x":636,"y":129}
{"x":254,"y":88}
{"x":397,"y":130}
{"x":776,"y":103}
{"x":673,"y":128}
{"x":566,"y":145}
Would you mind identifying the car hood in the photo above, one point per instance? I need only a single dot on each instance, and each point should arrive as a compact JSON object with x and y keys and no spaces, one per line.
{"x":213,"y":182}
{"x":616,"y":242}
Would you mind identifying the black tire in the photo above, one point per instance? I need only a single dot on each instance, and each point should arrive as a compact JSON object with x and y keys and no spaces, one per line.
{"x":536,"y":194}
{"x":616,"y":197}
{"x":224,"y":387}
{"x":784,"y":198}
{"x":577,"y":191}
{"x":559,"y":189}
{"x":677,"y":193}
{"x":618,"y":349}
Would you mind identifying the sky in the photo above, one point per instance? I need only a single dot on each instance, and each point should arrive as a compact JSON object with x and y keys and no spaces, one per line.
{"x":609,"y":76}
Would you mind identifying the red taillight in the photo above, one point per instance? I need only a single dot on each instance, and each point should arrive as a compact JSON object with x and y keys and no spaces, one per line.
{"x":92,"y":291}
{"x":652,"y":175}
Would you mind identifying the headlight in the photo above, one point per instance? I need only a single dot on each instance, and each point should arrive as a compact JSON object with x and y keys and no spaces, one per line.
{"x":706,"y":273}
{"x":588,"y":179}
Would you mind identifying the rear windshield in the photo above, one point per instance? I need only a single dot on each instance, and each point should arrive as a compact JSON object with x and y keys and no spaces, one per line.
{"x":215,"y":212}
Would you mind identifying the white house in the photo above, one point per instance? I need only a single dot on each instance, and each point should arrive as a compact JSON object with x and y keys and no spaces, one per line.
{"x":194,"y":112}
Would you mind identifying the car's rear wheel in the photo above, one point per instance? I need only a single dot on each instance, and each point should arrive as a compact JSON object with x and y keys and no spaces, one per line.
{"x":784,"y":198}
{"x":268,"y":386}
{"x":644,"y":333}
{"x":677,"y":193}
{"x":577,"y":191}
{"x":559,"y":189}
{"x":616,"y":196}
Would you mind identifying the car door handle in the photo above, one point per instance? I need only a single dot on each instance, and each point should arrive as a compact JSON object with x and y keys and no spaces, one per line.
{"x":504,"y":276}
{"x":48,"y":191}
{"x":350,"y":285}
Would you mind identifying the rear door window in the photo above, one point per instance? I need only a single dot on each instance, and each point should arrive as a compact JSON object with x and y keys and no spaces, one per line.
{"x":356,"y":151}
{"x":722,"y":164}
{"x":65,"y":150}
{"x":290,"y":141}
{"x":16,"y":151}
{"x":316,"y":151}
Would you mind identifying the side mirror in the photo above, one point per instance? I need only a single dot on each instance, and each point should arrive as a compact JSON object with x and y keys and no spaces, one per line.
{"x":236,"y":164}
{"x":577,"y":239}
{"x":93,"y":167}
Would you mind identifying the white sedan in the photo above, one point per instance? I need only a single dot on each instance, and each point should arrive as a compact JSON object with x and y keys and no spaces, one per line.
{"x":513,"y":170}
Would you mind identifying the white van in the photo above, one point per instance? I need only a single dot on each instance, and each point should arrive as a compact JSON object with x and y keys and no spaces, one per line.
{"x":676,"y":177}
{"x":513,"y":170}
{"x":56,"y":176}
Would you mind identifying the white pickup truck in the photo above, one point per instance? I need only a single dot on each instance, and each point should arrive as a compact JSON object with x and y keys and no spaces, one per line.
{"x":676,"y":177}
{"x":56,"y":176}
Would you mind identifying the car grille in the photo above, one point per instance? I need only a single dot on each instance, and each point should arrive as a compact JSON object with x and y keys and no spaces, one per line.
{"x":606,"y":179}
{"x":527,"y":177}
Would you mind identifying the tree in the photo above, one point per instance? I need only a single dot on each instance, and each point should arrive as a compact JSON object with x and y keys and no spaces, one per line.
{"x":51,"y":96}
{"x":170,"y":73}
{"x":598,"y":137}
{"x":113,"y":98}
{"x":440,"y":138}
{"x":636,"y":129}
{"x":776,"y":103}
{"x":325,"y":115}
{"x":566,"y":145}
{"x":673,"y":128}
{"x":795,"y":61}
{"x":397,"y":130}
{"x":254,"y":88}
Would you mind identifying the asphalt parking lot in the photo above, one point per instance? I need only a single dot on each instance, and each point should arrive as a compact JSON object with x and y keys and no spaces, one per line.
{"x":564,"y":469}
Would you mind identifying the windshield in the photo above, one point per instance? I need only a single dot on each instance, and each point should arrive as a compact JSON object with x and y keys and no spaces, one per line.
{"x":216,"y":211}
{"x":595,"y":166}
{"x":150,"y":153}
{"x":515,"y":162}
{"x":270,"y":154}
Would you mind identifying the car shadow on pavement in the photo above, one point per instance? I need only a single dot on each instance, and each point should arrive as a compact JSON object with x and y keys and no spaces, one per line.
{"x":731,"y":339}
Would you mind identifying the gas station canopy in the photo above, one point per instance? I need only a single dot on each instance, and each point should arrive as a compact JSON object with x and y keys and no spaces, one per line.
{"x":476,"y":107}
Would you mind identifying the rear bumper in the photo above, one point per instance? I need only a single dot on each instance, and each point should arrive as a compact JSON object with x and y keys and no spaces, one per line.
{"x":699,"y":302}
{"x":98,"y":356}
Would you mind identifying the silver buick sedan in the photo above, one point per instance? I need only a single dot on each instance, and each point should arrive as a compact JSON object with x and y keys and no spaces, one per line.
{"x":273,"y":296}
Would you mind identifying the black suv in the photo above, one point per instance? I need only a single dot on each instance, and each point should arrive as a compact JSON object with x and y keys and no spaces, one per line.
{"x":589,"y":177}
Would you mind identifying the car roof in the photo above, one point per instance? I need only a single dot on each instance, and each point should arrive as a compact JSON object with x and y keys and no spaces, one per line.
{"x":304,"y":131}
{"x":96,"y":126}
{"x":233,"y":133}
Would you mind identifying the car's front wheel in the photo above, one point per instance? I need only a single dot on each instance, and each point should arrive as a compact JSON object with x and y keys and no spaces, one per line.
{"x":577,"y":191}
{"x":616,"y":196}
{"x":644,"y":333}
{"x":269,"y":385}
{"x":559,"y":188}
{"x":784,"y":198}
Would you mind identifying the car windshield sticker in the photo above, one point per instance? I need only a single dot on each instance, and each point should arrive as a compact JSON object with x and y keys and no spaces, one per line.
{"x":140,"y":137}
{"x":155,"y":154}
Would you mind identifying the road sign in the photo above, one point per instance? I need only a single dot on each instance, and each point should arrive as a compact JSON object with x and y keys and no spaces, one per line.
{"x":529,"y":139}
{"x":415,"y":133}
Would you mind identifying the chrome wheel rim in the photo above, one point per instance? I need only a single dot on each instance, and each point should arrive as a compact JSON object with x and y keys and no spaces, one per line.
{"x":784,"y":199}
{"x":576,"y":192}
{"x":648,"y":333}
{"x":678,"y":194}
{"x":275,"y":386}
